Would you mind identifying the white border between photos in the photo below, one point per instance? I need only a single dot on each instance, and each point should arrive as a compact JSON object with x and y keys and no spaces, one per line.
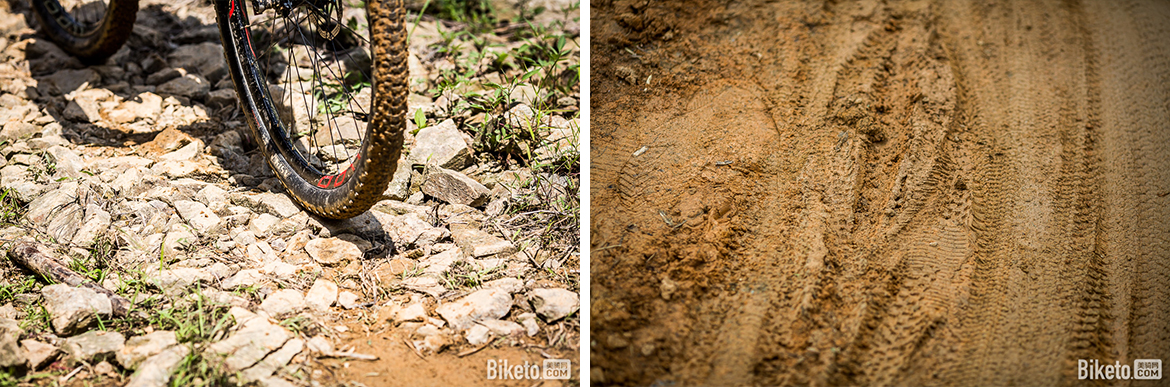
{"x":583,"y":147}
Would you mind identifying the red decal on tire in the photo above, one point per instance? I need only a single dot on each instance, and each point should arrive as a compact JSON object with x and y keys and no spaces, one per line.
{"x":338,"y":179}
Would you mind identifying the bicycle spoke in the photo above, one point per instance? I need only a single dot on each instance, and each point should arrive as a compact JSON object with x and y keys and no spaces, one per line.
{"x":329,"y":109}
{"x":328,"y":75}
{"x":334,"y":81}
{"x":355,"y":33}
{"x":346,"y":87}
{"x":318,"y":85}
{"x":271,"y":31}
{"x":309,"y":110}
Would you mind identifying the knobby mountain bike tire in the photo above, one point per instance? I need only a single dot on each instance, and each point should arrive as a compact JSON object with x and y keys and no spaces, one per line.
{"x":92,"y":31}
{"x":305,"y":124}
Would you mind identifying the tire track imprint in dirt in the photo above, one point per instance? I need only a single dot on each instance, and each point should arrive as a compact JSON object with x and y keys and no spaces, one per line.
{"x":954,"y":192}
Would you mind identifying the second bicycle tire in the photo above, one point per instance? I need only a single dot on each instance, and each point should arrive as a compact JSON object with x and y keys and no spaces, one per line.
{"x":94,"y":45}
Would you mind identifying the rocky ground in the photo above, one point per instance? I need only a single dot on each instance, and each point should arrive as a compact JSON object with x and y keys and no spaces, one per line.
{"x":877,"y":193}
{"x":140,"y":175}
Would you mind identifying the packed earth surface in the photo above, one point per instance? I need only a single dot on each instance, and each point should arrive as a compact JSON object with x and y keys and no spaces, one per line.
{"x":878,"y":193}
{"x":140,"y":177}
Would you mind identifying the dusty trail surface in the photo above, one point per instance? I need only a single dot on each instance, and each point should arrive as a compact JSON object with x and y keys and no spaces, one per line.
{"x":142,"y":176}
{"x":867,"y":193}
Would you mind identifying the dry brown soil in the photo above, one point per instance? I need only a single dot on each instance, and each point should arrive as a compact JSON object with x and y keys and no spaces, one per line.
{"x":864,"y":193}
{"x":398,"y":365}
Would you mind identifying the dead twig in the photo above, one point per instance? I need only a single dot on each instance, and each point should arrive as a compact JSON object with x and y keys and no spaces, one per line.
{"x":31,"y":255}
{"x":474,"y":350}
{"x":413,"y":348}
{"x":70,"y":375}
{"x":353,"y":355}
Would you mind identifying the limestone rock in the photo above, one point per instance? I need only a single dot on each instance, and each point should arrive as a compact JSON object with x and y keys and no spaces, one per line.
{"x":164,"y":75}
{"x":74,"y":309}
{"x":263,"y":224}
{"x":563,"y":140}
{"x":279,"y":269}
{"x":320,"y":345}
{"x":509,"y":284}
{"x":502,"y":327}
{"x":478,"y":243}
{"x":139,"y":348}
{"x":206,"y":59}
{"x":156,"y":370}
{"x":242,"y":279}
{"x":68,"y":163}
{"x":82,"y":109}
{"x":67,"y":81}
{"x":181,"y":278}
{"x":478,"y":335}
{"x":221,"y":98}
{"x":333,"y":251}
{"x":197,"y":215}
{"x":38,"y":353}
{"x":274,"y":361}
{"x":322,"y":295}
{"x":529,"y":322}
{"x":16,"y":178}
{"x":213,"y":197}
{"x":43,"y":208}
{"x":187,"y":152}
{"x":347,"y":300}
{"x":191,"y":86}
{"x":272,"y":203}
{"x":7,"y":311}
{"x":414,"y":312}
{"x":441,"y":145}
{"x":344,"y":127}
{"x":94,"y":346}
{"x":97,"y":221}
{"x":428,"y":285}
{"x":65,"y":223}
{"x":10,"y":352}
{"x":399,"y":187}
{"x":440,"y":263}
{"x":483,"y":304}
{"x":283,"y":302}
{"x":17,"y":130}
{"x":410,"y":230}
{"x":455,"y":188}
{"x":253,"y":342}
{"x":179,"y":169}
{"x":144,"y":106}
{"x":521,"y":116}
{"x":554,"y":304}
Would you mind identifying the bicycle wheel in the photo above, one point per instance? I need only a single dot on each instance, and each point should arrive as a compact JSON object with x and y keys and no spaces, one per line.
{"x":324,"y":94}
{"x":90,"y":30}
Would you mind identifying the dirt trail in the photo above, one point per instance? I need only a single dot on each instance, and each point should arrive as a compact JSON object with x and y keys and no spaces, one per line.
{"x":913,"y":193}
{"x":141,"y":175}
